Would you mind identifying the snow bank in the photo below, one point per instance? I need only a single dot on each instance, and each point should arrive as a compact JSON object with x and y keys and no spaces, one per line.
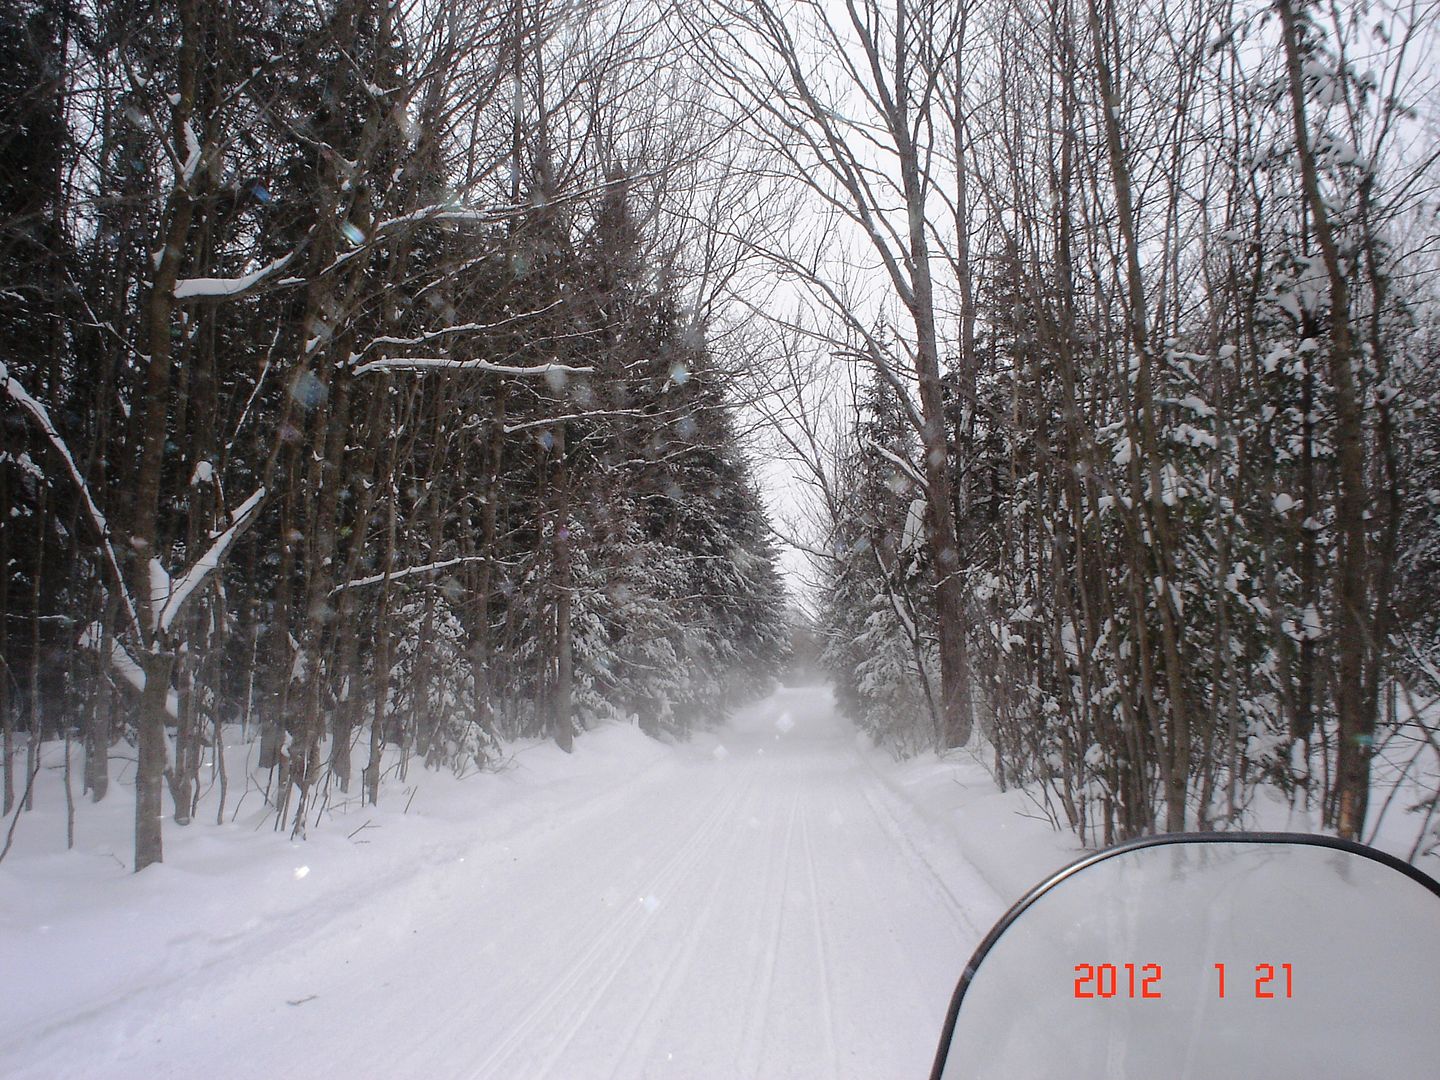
{"x":112,"y":943}
{"x":960,"y":818}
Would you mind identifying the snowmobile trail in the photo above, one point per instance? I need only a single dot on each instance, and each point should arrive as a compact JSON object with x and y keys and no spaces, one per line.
{"x":761,"y":981}
{"x":822,"y":949}
{"x":753,"y":908}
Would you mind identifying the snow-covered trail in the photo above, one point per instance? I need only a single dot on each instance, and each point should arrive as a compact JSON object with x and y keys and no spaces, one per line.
{"x":752,"y":908}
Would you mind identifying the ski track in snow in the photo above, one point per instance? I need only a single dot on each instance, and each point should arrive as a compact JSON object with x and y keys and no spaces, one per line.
{"x":768,"y":912}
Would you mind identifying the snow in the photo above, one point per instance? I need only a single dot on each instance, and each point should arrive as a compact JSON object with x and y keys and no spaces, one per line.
{"x":219,"y":288}
{"x":41,"y":417}
{"x":26,"y":463}
{"x":396,"y":575}
{"x":905,"y":467}
{"x":796,"y":905}
{"x":776,"y":898}
{"x":914,"y":525}
{"x":126,"y":666}
{"x":203,"y":567}
{"x":160,"y":585}
{"x":1196,"y":405}
{"x":192,"y":155}
{"x":440,"y":363}
{"x":461,"y":328}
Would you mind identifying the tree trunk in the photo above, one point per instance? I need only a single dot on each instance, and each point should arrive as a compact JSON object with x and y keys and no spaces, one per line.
{"x":563,"y":587}
{"x":1173,"y":740}
{"x":149,"y":774}
{"x":97,"y":723}
{"x":480,"y":623}
{"x":370,"y":776}
{"x":156,"y":659}
{"x":7,"y":718}
{"x":1351,"y":629}
{"x":956,"y":706}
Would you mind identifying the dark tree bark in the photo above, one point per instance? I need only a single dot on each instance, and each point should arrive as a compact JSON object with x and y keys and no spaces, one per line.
{"x":1356,"y":710}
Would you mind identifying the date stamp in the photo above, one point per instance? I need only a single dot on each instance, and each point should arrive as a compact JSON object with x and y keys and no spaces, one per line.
{"x":1143,"y":982}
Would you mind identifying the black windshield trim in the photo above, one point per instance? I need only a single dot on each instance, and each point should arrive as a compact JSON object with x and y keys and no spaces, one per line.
{"x":1018,"y":908}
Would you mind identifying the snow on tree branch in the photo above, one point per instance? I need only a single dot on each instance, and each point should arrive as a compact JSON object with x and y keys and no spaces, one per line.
{"x":207,"y":288}
{"x":454,"y":213}
{"x":41,"y":417}
{"x":912,"y":473}
{"x":409,"y":571}
{"x":510,"y":429}
{"x":126,"y":665}
{"x":464,"y":328}
{"x":206,"y":565}
{"x":437,"y":363}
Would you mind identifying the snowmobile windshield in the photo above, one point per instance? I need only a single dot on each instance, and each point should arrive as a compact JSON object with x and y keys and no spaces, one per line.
{"x":1244,"y":956}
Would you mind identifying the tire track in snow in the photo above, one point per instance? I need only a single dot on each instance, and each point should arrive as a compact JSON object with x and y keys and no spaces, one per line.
{"x":679,"y":967}
{"x":518,"y":943}
{"x":599,"y":956}
{"x":822,"y":946}
{"x":880,"y":889}
{"x":436,"y":1029}
{"x":606,"y":953}
{"x":316,"y":927}
{"x":703,"y":856}
{"x":891,"y":828}
{"x":757,"y":1010}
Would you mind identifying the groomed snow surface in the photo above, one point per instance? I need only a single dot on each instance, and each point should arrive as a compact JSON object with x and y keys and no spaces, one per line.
{"x":776,"y":899}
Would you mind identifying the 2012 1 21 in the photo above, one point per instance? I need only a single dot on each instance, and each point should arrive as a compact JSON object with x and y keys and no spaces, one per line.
{"x":1141,"y":982}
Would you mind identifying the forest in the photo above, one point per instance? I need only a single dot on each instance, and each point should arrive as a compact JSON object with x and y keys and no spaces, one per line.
{"x":387,"y":382}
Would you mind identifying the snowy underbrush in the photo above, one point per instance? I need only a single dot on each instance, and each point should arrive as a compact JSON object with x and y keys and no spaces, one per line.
{"x":99,"y":932}
{"x":1404,"y":810}
{"x":1013,"y":840}
{"x":958,"y":813}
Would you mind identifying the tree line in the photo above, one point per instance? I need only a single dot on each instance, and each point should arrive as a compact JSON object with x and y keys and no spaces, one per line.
{"x":360,"y":390}
{"x":374,"y":378}
{"x":1131,"y":310}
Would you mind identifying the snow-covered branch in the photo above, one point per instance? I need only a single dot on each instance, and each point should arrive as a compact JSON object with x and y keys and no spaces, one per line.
{"x":207,"y":288}
{"x":910,"y":471}
{"x":126,"y":666}
{"x":440,"y":363}
{"x":460,"y":213}
{"x":510,"y":429}
{"x":207,"y":564}
{"x":42,"y":420}
{"x":409,"y":571}
{"x":463,"y":328}
{"x":457,"y":213}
